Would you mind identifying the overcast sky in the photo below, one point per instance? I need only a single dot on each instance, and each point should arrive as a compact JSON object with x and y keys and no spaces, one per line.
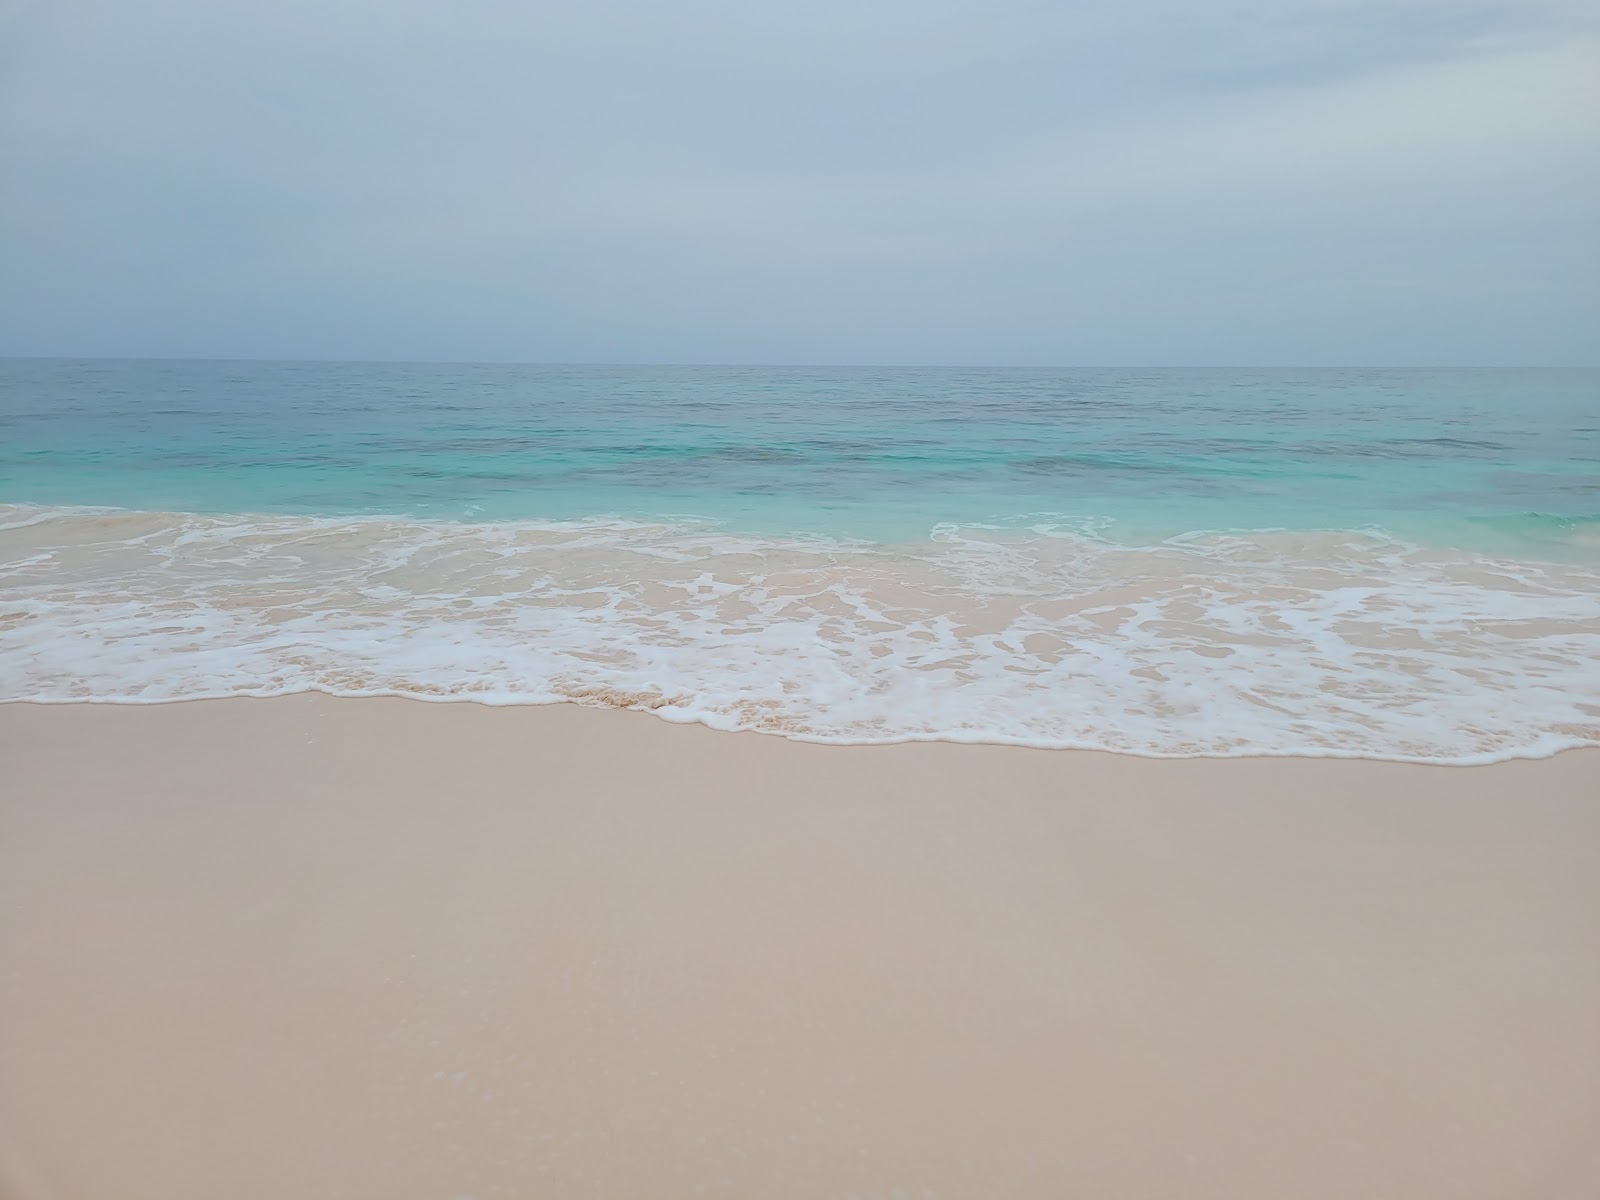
{"x":1123,"y":182}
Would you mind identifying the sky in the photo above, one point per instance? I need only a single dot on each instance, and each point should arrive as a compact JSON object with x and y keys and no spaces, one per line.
{"x":1138,"y":183}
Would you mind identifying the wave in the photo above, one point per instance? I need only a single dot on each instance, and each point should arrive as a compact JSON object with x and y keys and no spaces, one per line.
{"x":1542,"y":525}
{"x":1211,"y":644}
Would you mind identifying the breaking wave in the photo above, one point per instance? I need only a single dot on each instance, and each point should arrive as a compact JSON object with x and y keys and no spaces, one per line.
{"x":1212,"y":644}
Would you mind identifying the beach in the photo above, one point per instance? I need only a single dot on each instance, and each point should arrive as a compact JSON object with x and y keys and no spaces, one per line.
{"x":307,"y":946}
{"x":830,"y":602}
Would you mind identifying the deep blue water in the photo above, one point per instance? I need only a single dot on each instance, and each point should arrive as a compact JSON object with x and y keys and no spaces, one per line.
{"x":1477,"y":458}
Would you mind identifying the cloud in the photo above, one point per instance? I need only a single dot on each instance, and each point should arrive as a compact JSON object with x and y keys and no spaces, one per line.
{"x":878,"y":181}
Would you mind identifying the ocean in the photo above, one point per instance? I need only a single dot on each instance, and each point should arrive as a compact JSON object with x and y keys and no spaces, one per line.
{"x":1389,"y":564}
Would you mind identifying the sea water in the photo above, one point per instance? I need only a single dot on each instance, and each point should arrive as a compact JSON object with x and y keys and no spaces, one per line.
{"x":1399,"y":564}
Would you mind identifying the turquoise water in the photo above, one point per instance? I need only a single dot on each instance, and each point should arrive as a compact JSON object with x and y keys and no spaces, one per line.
{"x":1396,"y":564}
{"x":1474,"y":458}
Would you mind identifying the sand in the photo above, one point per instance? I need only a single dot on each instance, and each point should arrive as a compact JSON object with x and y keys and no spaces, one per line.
{"x":308,"y":947}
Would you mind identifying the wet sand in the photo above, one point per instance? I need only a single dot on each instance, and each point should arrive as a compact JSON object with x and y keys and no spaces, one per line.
{"x":308,"y":947}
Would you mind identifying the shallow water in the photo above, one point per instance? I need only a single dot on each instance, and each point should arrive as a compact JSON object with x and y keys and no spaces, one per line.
{"x":1395,"y":564}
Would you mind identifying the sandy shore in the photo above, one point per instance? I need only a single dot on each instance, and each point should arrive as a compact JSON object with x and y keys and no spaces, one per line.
{"x":315,"y":948}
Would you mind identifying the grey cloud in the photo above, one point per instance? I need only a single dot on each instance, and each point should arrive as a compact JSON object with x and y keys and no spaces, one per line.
{"x":872,"y":181}
{"x":1318,"y":42}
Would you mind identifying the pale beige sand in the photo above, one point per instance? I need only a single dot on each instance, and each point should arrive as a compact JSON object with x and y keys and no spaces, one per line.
{"x":314,"y":948}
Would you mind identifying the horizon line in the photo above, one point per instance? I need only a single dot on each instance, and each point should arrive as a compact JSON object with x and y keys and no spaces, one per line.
{"x":815,"y":365}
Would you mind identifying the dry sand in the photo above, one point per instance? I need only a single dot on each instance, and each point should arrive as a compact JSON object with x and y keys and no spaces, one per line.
{"x":313,"y":948}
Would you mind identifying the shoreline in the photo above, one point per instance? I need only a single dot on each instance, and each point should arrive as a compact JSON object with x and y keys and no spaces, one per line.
{"x":308,"y":945}
{"x":1311,"y":754}
{"x":1343,"y":645}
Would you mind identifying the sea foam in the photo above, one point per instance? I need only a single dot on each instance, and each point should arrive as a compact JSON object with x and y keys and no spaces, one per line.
{"x":1216,"y":644}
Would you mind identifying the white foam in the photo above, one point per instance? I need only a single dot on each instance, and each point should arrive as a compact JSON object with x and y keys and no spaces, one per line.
{"x":1213,"y":644}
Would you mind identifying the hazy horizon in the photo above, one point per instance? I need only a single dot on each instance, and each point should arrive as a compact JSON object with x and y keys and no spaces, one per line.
{"x":1219,"y":367}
